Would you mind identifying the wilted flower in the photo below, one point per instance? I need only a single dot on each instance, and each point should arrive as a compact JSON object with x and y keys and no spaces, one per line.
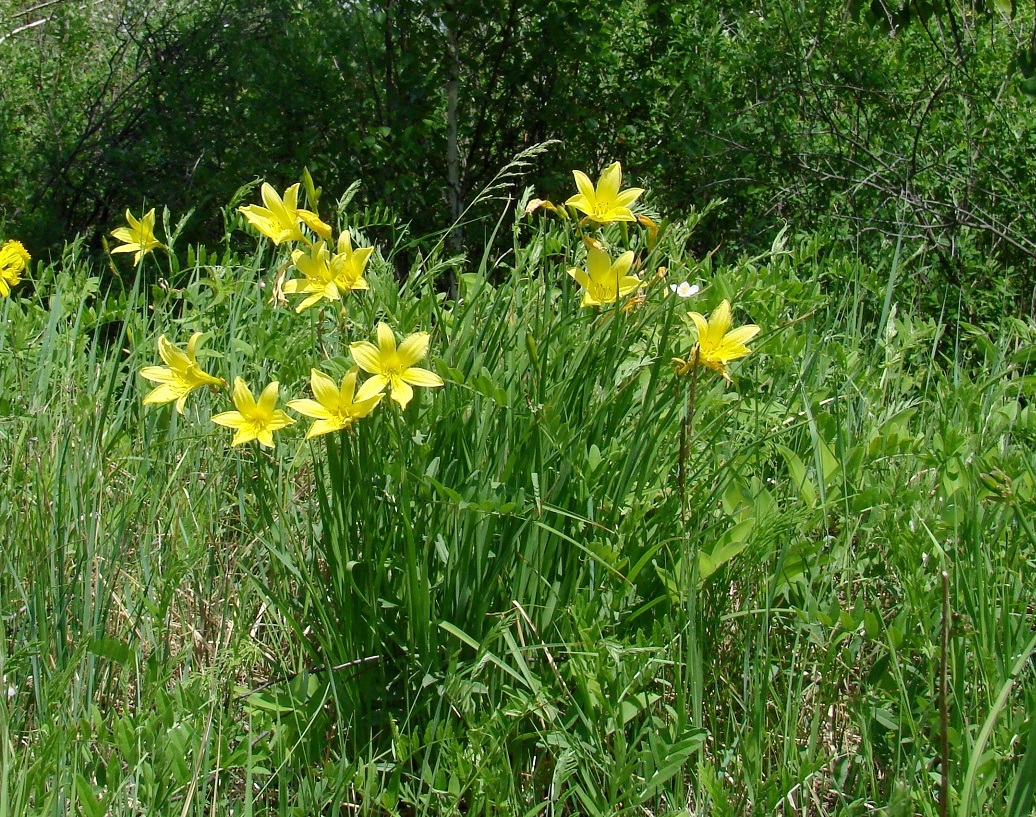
{"x":536,"y":204}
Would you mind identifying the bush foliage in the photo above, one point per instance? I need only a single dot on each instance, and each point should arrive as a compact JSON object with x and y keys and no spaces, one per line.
{"x":894,"y":125}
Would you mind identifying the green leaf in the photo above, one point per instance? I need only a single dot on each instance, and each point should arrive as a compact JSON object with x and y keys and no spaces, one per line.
{"x":797,"y":472}
{"x":1023,"y":792}
{"x":89,"y":803}
{"x":730,"y":545}
{"x":111,"y":648}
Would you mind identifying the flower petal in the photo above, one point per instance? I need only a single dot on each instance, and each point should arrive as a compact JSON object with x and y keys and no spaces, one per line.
{"x":413,"y":349}
{"x":291,"y":199}
{"x":741,"y":335}
{"x":245,"y":434}
{"x":324,"y":389}
{"x":279,"y":420}
{"x":726,"y":352}
{"x":268,"y":401}
{"x":581,"y":278}
{"x":421,"y":377}
{"x":312,"y":299}
{"x":361,"y":408}
{"x":580,"y":203}
{"x":386,"y":340}
{"x":158,"y":374}
{"x":401,"y":392}
{"x":270,"y":198}
{"x":172,"y":355}
{"x":589,"y":300}
{"x":370,"y":388}
{"x":242,"y":397}
{"x":165,"y":393}
{"x":628,"y":284}
{"x":700,"y":323}
{"x":192,"y":346}
{"x":230,"y":419}
{"x":719,"y":321}
{"x":348,"y":388}
{"x":622,"y":264}
{"x":366,"y":356}
{"x":310,"y":408}
{"x":312,"y":220}
{"x":627,"y":197}
{"x":609,"y":183}
{"x":585,"y":186}
{"x":324,"y":426}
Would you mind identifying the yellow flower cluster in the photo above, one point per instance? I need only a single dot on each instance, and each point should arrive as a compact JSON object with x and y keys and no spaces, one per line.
{"x":606,"y":281}
{"x":14,"y":258}
{"x":336,"y":406}
{"x":324,"y":275}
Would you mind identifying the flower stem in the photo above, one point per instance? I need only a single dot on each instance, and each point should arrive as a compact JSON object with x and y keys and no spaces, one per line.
{"x":692,"y":655}
{"x":685,"y":436}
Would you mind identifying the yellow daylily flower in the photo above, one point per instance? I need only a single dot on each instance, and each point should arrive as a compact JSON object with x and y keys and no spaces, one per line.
{"x":604,"y":204}
{"x":328,"y":277}
{"x":279,"y":219}
{"x":335,"y":407}
{"x":182,"y":376}
{"x":254,"y":420}
{"x":393,"y":367}
{"x":139,"y":237}
{"x":316,"y":269}
{"x":348,"y":265}
{"x":605,"y":281}
{"x":717,"y":344}
{"x":13,"y":260}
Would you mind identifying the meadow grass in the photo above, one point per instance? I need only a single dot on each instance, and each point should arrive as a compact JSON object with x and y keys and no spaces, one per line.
{"x":497,"y":601}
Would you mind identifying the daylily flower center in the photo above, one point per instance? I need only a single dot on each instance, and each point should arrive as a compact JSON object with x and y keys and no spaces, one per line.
{"x":256,"y":425}
{"x":392,"y":366}
{"x":603,"y":292}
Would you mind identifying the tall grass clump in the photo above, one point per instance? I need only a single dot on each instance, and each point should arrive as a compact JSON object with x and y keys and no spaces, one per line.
{"x":545,"y":559}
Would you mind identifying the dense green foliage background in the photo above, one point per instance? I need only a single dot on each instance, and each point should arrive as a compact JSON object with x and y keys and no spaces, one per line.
{"x":880,"y":123}
{"x":514,"y":597}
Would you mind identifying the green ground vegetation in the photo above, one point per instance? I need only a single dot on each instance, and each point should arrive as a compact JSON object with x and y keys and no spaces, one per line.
{"x":546,"y":587}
